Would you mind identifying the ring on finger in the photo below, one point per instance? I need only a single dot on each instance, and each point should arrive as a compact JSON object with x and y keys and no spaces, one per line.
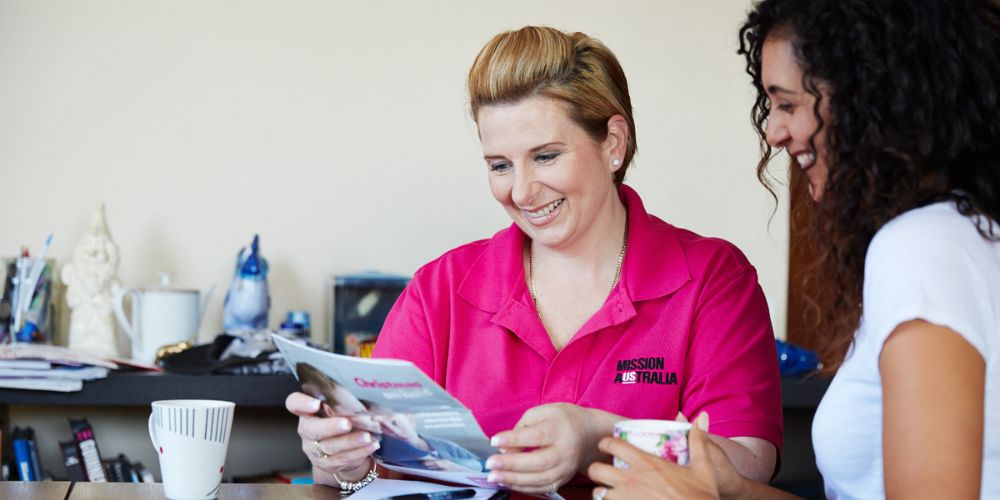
{"x":600,"y":492}
{"x":319,"y":451}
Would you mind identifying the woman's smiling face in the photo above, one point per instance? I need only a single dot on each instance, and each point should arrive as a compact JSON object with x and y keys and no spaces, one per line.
{"x":550,"y":176}
{"x":792,"y":123}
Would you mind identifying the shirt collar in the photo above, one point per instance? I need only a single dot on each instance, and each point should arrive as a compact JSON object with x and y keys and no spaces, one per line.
{"x":655,"y":263}
{"x":498,"y":273}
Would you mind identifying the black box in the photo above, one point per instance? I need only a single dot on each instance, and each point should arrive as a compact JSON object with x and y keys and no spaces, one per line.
{"x":360,"y":305}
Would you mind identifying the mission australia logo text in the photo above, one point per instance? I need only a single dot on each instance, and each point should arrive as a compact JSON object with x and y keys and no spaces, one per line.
{"x":644,"y":371}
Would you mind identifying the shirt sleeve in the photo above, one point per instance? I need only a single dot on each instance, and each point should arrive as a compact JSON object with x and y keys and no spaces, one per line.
{"x":929,"y":270}
{"x":732,"y":366}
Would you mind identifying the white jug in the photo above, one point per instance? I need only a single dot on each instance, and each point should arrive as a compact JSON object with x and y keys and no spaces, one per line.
{"x":161,"y":316}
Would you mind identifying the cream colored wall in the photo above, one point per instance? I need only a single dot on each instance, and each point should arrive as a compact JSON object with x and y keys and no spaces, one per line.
{"x":338,"y":131}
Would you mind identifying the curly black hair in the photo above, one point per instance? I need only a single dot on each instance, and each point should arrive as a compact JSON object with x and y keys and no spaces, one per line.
{"x":914,"y":118}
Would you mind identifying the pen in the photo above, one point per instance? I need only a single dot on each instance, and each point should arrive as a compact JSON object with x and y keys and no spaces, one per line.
{"x":436,"y":495}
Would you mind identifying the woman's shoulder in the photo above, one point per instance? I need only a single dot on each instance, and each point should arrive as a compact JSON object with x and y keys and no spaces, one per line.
{"x":926,"y":251}
{"x":932,"y":262}
{"x":668,"y":258}
{"x":932,"y":230}
{"x":700,"y":251}
{"x":940,"y":215}
{"x":704,"y":252}
{"x":455,"y":263}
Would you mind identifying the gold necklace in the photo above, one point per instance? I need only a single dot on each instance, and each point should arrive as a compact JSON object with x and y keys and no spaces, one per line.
{"x":618,"y":270}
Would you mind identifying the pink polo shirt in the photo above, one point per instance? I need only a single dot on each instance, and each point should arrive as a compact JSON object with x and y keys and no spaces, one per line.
{"x":687,"y":329}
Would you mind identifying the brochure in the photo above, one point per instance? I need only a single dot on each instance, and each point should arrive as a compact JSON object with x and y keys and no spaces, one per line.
{"x":423,"y":431}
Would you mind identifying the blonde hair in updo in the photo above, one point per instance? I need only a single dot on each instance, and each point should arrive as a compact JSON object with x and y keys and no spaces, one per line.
{"x":576,"y":69}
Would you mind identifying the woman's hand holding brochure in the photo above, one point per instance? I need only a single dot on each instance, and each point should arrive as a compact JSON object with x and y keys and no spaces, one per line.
{"x":337,"y":451}
{"x":353,"y":410}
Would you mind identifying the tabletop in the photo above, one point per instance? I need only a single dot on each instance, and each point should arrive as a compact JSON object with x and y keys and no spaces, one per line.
{"x":34,"y":489}
{"x":139,"y":491}
{"x":65,"y":490}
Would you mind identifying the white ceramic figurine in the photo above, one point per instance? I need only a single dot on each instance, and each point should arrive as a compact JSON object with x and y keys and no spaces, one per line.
{"x":91,"y":280}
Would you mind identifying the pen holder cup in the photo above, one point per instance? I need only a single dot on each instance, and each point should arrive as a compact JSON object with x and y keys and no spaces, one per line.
{"x":26,"y":317}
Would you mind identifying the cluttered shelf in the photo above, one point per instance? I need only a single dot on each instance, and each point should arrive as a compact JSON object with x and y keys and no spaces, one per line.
{"x":142,"y":388}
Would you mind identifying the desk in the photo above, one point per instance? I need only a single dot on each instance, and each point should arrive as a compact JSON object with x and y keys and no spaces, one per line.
{"x":64,"y":490}
{"x":34,"y":489}
{"x":266,"y":395}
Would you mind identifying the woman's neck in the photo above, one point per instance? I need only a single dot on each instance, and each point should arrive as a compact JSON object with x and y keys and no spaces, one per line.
{"x":592,"y":253}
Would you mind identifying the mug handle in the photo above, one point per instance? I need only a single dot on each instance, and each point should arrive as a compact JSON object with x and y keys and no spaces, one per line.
{"x":152,"y":434}
{"x":127,"y":326}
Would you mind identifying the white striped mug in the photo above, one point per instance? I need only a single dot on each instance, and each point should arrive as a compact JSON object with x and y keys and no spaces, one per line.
{"x":191,"y":437}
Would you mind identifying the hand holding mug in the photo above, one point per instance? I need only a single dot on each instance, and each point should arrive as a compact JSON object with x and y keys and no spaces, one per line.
{"x":648,"y":475}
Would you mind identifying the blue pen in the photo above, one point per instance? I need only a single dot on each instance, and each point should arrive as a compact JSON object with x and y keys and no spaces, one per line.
{"x":436,"y":495}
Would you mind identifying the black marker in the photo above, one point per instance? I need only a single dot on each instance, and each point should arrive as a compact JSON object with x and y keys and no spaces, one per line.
{"x":436,"y":495}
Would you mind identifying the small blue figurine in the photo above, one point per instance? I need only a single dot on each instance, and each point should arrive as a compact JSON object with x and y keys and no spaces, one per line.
{"x":247,"y":301}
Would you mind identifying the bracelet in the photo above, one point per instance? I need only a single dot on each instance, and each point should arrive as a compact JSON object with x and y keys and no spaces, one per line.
{"x":347,"y":487}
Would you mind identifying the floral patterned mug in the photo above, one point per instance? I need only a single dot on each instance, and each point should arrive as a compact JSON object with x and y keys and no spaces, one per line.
{"x":666,"y":439}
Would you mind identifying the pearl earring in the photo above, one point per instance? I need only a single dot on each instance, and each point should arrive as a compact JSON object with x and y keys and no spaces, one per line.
{"x":616,"y":162}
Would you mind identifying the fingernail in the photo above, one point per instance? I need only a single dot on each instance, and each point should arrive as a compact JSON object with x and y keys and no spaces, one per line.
{"x":375,"y":445}
{"x":497,"y":441}
{"x":315,"y":405}
{"x":365,"y":438}
{"x":491,"y":463}
{"x":494,"y":477}
{"x":702,"y":421}
{"x":343,"y":425}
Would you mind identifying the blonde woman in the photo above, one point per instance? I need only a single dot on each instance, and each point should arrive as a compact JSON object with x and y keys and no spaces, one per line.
{"x":587,"y":309}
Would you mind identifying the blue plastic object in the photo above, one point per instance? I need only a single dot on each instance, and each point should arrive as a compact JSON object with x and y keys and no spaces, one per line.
{"x":248,"y":299}
{"x":794,"y":360}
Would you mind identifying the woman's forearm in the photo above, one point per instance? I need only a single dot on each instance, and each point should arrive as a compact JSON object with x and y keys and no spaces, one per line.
{"x":752,"y":490}
{"x":599,"y":424}
{"x":753,"y":458}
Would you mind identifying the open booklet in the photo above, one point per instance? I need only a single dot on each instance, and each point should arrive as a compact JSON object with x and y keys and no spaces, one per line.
{"x":423,"y":430}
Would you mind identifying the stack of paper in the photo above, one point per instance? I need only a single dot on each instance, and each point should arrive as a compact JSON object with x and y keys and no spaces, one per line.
{"x":48,"y":368}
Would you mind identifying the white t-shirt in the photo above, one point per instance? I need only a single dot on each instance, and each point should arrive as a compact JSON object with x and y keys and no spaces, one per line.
{"x":929,"y":263}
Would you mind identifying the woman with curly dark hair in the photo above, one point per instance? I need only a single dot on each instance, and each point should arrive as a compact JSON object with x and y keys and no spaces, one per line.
{"x":890,"y":112}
